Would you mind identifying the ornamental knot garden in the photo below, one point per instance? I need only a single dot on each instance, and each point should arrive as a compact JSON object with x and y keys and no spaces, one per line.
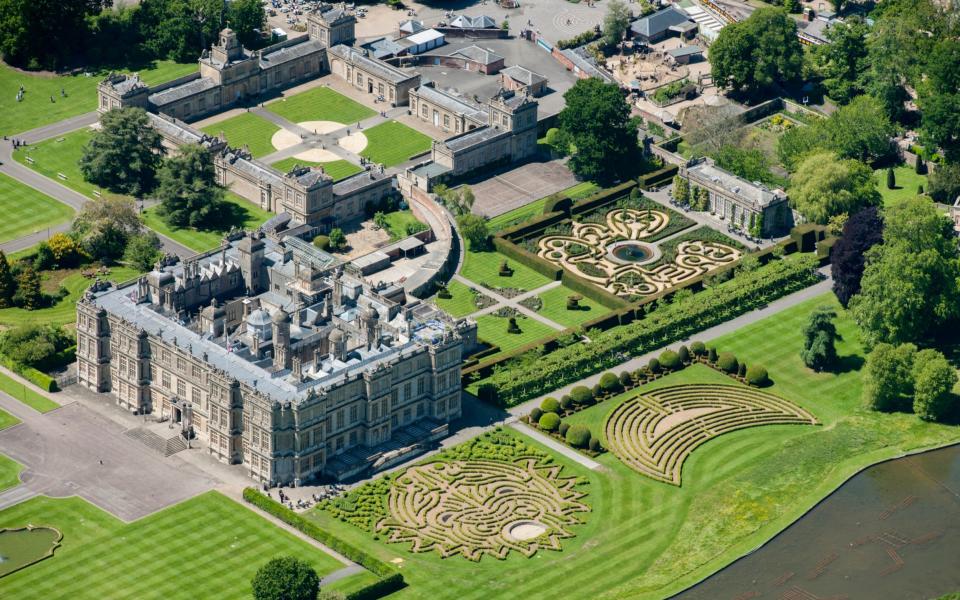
{"x":479,"y":507}
{"x":654,"y":433}
{"x":612,"y":254}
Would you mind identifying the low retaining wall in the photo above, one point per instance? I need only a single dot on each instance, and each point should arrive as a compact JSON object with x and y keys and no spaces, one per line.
{"x":421,"y":284}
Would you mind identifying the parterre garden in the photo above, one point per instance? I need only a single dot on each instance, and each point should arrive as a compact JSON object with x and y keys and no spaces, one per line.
{"x":738,"y":488}
{"x":205,"y":547}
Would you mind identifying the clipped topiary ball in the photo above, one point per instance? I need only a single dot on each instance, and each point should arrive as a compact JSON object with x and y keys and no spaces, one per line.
{"x":698,"y":348}
{"x":653,"y":366}
{"x":550,"y":405}
{"x":670,"y":360}
{"x":564,"y":428}
{"x":727,"y":362}
{"x":684,"y":354}
{"x":757,"y":375}
{"x":535,"y":415}
{"x":578,"y":436}
{"x":595,"y":444}
{"x":566,"y":402}
{"x":581,"y":395}
{"x":609,"y":382}
{"x":549,"y":422}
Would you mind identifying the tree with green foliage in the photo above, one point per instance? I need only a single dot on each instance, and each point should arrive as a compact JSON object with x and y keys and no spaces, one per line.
{"x":943,"y":184}
{"x":843,"y":61}
{"x":933,"y":381}
{"x":891,"y":179}
{"x":749,"y":163}
{"x":616,"y":22}
{"x":888,"y":377}
{"x":910,"y":289}
{"x":143,"y":251}
{"x":29,"y":295}
{"x":35,"y":345}
{"x":825,"y":186}
{"x":104,"y":226}
{"x":549,"y":422}
{"x":124,"y":154}
{"x":597,"y":120}
{"x":940,"y":98}
{"x":681,"y":189}
{"x":474,"y":228}
{"x":337,"y":238}
{"x":247,"y":18}
{"x":550,"y":405}
{"x":188,"y":191}
{"x":8,"y":287}
{"x":578,"y":436}
{"x":380,"y":220}
{"x":859,"y":130}
{"x":286,"y":578}
{"x":755,"y":55}
{"x":819,"y":340}
{"x":44,"y":34}
{"x":180,"y":29}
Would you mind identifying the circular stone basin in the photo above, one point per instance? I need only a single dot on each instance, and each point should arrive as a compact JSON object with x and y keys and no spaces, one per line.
{"x":525,"y":530}
{"x":631,"y":252}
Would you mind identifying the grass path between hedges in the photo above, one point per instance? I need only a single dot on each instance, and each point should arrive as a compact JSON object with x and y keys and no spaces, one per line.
{"x":206,"y":547}
{"x":646,"y":539}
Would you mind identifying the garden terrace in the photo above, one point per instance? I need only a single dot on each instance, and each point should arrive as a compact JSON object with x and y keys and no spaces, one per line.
{"x":654,"y":433}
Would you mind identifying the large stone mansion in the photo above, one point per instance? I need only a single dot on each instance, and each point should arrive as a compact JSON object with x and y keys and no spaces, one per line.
{"x":276,"y":358}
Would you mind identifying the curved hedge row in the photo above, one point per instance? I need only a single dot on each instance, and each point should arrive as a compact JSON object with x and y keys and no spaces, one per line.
{"x":390,"y":579}
{"x":518,"y":382}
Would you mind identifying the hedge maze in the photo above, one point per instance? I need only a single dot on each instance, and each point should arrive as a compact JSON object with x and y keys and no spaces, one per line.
{"x":477,"y":507}
{"x":589,"y":251}
{"x":654,"y":433}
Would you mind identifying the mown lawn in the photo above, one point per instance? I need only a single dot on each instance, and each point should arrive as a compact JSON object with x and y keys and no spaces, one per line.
{"x":907,"y":182}
{"x":9,"y":473}
{"x":320,"y":104}
{"x":399,"y":222}
{"x":244,"y":214}
{"x":338,"y":169}
{"x":461,"y":302}
{"x":535,"y":208}
{"x":206,"y":547}
{"x":246,"y":129}
{"x":7,"y":420}
{"x":60,"y":155}
{"x":555,"y":307}
{"x":484,"y":267}
{"x":26,"y":395}
{"x":25,"y":210}
{"x":65,"y":310}
{"x":392,"y":143}
{"x":493,"y":330}
{"x":36,"y":109}
{"x":646,"y":539}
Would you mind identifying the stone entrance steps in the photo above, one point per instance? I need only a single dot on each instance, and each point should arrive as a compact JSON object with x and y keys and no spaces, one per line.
{"x":166,"y":447}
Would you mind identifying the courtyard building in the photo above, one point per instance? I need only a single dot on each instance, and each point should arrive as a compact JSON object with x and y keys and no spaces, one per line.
{"x":276,"y":358}
{"x":737,"y":200}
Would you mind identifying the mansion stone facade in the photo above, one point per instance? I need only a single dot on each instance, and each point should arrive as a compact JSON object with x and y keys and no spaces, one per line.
{"x":276,"y":359}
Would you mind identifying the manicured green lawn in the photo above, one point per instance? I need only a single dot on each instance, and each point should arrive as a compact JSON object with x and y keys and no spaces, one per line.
{"x":9,"y":473}
{"x":65,"y":310}
{"x":7,"y":420}
{"x":907,"y":181}
{"x":36,"y":109}
{"x":206,"y":547}
{"x":320,"y":104}
{"x":245,"y":215}
{"x":400,"y":221}
{"x":484,"y":267}
{"x":60,"y":156}
{"x":555,"y":307}
{"x":646,"y":539}
{"x":21,"y":392}
{"x":246,"y":129}
{"x":461,"y":304}
{"x":392,"y":143}
{"x":338,"y":169}
{"x":535,"y":208}
{"x":493,"y":330}
{"x":25,"y":210}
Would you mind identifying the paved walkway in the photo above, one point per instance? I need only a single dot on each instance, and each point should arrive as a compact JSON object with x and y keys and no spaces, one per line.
{"x":55,"y":189}
{"x":705,"y":336}
{"x":556,"y":446}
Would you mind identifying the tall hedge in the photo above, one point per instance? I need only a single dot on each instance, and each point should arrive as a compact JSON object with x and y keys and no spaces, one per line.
{"x":522,"y":380}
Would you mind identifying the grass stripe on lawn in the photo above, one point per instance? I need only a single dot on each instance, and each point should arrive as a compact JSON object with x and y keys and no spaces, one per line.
{"x":25,"y":210}
{"x":246,"y":129}
{"x":338,"y":169}
{"x":320,"y":104}
{"x":392,"y":143}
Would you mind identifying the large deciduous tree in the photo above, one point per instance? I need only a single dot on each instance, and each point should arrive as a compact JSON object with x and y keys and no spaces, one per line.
{"x":759,"y":53}
{"x":104,"y":226}
{"x":888,"y":377}
{"x":247,"y":18}
{"x":180,"y":29}
{"x":597,"y":120}
{"x":286,"y":578}
{"x":474,"y":229}
{"x":943,"y":184}
{"x":843,"y":61}
{"x":44,"y":34}
{"x":933,"y":381}
{"x":188,"y":192}
{"x":616,"y":22}
{"x":819,"y":340}
{"x":910,"y":290}
{"x":123,"y":156}
{"x":862,"y":231}
{"x":824,"y":186}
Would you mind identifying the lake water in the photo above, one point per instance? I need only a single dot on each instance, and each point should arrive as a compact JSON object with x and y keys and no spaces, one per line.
{"x":891,"y":532}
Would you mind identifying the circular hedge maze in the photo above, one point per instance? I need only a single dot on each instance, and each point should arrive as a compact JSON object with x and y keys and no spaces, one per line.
{"x":586,"y":252}
{"x":654,"y":433}
{"x":479,"y":507}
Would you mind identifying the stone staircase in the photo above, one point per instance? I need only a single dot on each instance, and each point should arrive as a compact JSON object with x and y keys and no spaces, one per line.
{"x":165,"y":446}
